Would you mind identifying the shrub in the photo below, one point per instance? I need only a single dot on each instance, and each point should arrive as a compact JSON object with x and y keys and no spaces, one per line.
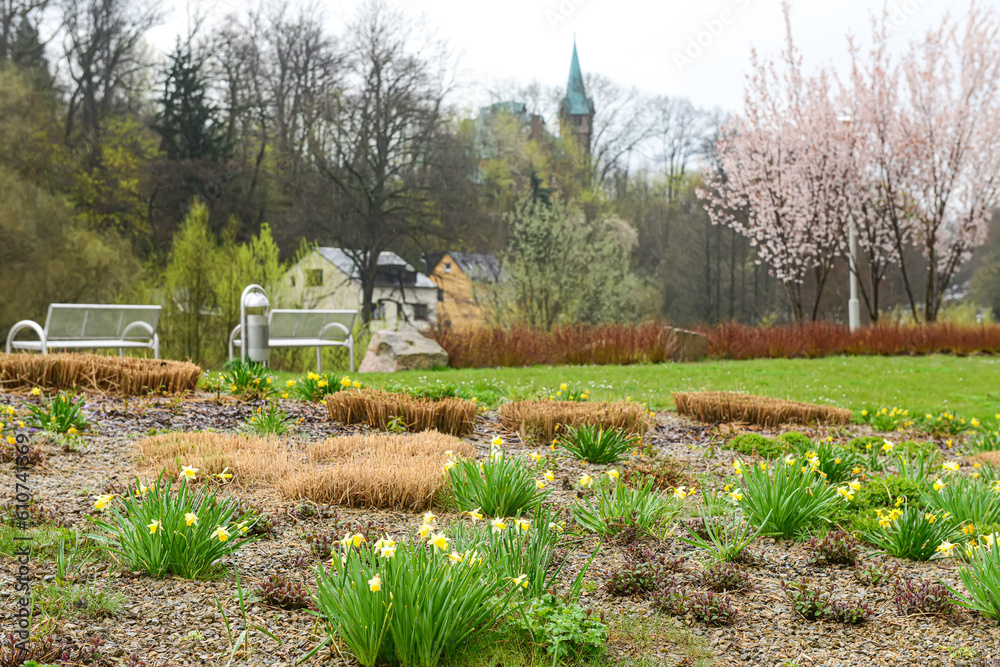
{"x":165,"y":531}
{"x":269,"y":419}
{"x":410,"y":603}
{"x":875,"y":573}
{"x":912,"y":533}
{"x":724,"y":538}
{"x":279,"y":591}
{"x":796,"y":440}
{"x":117,"y":376}
{"x":62,"y":413}
{"x":643,"y":571}
{"x":386,"y":471}
{"x":760,"y":445}
{"x":665,"y":472}
{"x":981,"y":577}
{"x":542,"y":419}
{"x":650,"y":510}
{"x":921,"y":597}
{"x":727,"y":407}
{"x":837,"y":548}
{"x":454,"y":416}
{"x":722,"y":576}
{"x":566,"y":630}
{"x":886,"y":491}
{"x":248,"y":381}
{"x":500,"y":486}
{"x":966,"y":499}
{"x":786,"y":499}
{"x":594,"y":444}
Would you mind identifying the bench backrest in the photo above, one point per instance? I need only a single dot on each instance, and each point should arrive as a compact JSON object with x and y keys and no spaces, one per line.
{"x":311,"y":324}
{"x":73,"y":321}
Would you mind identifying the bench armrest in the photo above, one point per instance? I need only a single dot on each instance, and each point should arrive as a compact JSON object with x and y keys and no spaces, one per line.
{"x":335,"y":325}
{"x":232,"y":338}
{"x":27,"y":324}
{"x":139,"y":324}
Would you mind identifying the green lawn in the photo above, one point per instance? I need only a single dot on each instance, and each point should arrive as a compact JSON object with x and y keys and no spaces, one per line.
{"x":967,"y":385}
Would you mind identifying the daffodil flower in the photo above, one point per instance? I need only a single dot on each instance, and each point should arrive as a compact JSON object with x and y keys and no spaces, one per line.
{"x":425,"y":530}
{"x":950,"y":466}
{"x":497,"y":442}
{"x":477,"y":514}
{"x":854,"y":485}
{"x":497,"y":525}
{"x":938,"y":484}
{"x":455,"y":557}
{"x":613,"y":474}
{"x":540,"y":484}
{"x":887,"y":446}
{"x":549,"y":475}
{"x":375,"y":584}
{"x":586,"y":480}
{"x":523,"y":525}
{"x":155,"y":526}
{"x":679,"y":493}
{"x":536,"y":457}
{"x":736,"y":496}
{"x":521,"y":581}
{"x":102,"y":501}
{"x":224,"y":475}
{"x":439,"y":541}
{"x":945,"y":548}
{"x":220,"y":533}
{"x":191,"y":519}
{"x":189,"y":472}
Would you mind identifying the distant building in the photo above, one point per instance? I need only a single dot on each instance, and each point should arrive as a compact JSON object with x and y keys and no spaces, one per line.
{"x":327,"y":279}
{"x":464,"y":282}
{"x":576,"y":111}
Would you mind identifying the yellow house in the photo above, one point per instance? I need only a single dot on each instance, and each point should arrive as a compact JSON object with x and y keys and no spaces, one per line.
{"x":326,"y":278}
{"x":464,"y":281}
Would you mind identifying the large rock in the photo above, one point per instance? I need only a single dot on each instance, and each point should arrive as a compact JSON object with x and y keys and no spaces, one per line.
{"x":402,"y":350}
{"x":690,"y":345}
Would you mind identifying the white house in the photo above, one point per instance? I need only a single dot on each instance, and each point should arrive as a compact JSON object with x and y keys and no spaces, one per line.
{"x":327,"y":278}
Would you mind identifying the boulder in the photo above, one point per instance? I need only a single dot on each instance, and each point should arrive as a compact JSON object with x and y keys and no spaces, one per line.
{"x":690,"y":345}
{"x":402,"y":350}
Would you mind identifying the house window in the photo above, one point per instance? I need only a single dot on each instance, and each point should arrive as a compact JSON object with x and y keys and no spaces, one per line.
{"x":440,"y":295}
{"x":420,"y":312}
{"x":447,"y":267}
{"x":378,"y":311}
{"x":314,"y":277}
{"x":578,"y":121}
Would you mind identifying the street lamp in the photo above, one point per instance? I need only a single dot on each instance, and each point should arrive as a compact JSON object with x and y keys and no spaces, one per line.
{"x":853,"y":305}
{"x":254,"y":308}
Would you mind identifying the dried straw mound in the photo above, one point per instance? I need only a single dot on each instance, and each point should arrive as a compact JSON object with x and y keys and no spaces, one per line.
{"x":540,"y":419}
{"x":385,"y":471}
{"x":723,"y":406}
{"x":989,"y":458}
{"x":455,"y":416}
{"x":252,"y":460}
{"x":121,"y":376}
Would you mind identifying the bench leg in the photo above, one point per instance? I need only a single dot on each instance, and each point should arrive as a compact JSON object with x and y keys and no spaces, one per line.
{"x":351,"y":348}
{"x":319,"y":359}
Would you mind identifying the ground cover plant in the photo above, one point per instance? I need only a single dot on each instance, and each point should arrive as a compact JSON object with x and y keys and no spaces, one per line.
{"x":119,"y":376}
{"x":543,"y":419}
{"x":724,"y":407}
{"x":372,"y":470}
{"x":379,"y":409}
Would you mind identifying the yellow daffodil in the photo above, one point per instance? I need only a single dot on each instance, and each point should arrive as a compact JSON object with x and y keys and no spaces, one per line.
{"x":536,"y":457}
{"x":189,"y":472}
{"x":430,"y":518}
{"x":736,"y":496}
{"x":613,"y":474}
{"x":102,"y":501}
{"x":549,"y":476}
{"x":790,"y":460}
{"x":974,"y":422}
{"x":356,"y":384}
{"x":220,"y":533}
{"x":854,"y":485}
{"x":355,"y":540}
{"x":856,"y":470}
{"x":864,"y":413}
{"x":455,"y":557}
{"x":313,"y":376}
{"x":522,"y":524}
{"x":845,"y":491}
{"x":950,"y":466}
{"x":35,"y":391}
{"x":887,"y":446}
{"x":949,"y":443}
{"x":540,"y":484}
{"x":476,"y":514}
{"x":439,"y":541}
{"x":969,"y":528}
{"x":290,"y":383}
{"x":375,"y":584}
{"x":931,"y":518}
{"x":945,"y":548}
{"x":586,"y":480}
{"x":154,"y":527}
{"x":738,"y":466}
{"x":563,"y":387}
{"x":498,"y":525}
{"x":938,"y":484}
{"x":521,"y":581}
{"x":497,"y":442}
{"x":345,"y":381}
{"x":224,"y":475}
{"x":448,"y":465}
{"x":425,"y":530}
{"x":191,"y":519}
{"x":680,"y":493}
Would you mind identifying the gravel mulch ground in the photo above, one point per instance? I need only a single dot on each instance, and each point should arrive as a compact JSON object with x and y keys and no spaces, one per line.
{"x":176,"y":622}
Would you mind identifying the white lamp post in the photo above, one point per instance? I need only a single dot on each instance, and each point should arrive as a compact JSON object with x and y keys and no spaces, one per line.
{"x":853,"y":305}
{"x":254,"y":308}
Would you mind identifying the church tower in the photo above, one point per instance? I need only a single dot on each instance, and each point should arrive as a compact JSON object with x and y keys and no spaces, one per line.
{"x":576,"y":111}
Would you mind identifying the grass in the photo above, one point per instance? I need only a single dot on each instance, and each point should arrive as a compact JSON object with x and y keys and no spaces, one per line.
{"x":964,"y":385}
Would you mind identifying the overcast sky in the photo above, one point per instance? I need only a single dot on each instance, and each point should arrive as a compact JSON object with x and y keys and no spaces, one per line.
{"x":695,"y":49}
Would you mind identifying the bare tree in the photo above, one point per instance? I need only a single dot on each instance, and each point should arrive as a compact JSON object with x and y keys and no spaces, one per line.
{"x":102,"y":49}
{"x":677,"y":137}
{"x":20,"y":32}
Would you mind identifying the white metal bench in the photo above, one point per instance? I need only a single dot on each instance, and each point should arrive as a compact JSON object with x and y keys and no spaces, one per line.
{"x":87,"y":325}
{"x":307,"y":328}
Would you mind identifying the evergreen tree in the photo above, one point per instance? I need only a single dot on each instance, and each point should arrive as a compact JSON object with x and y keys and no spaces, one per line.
{"x":188,"y":124}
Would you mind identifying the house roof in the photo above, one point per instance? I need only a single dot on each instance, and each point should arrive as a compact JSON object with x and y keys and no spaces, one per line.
{"x":386,"y":259}
{"x":473,"y":265}
{"x":576,"y":101}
